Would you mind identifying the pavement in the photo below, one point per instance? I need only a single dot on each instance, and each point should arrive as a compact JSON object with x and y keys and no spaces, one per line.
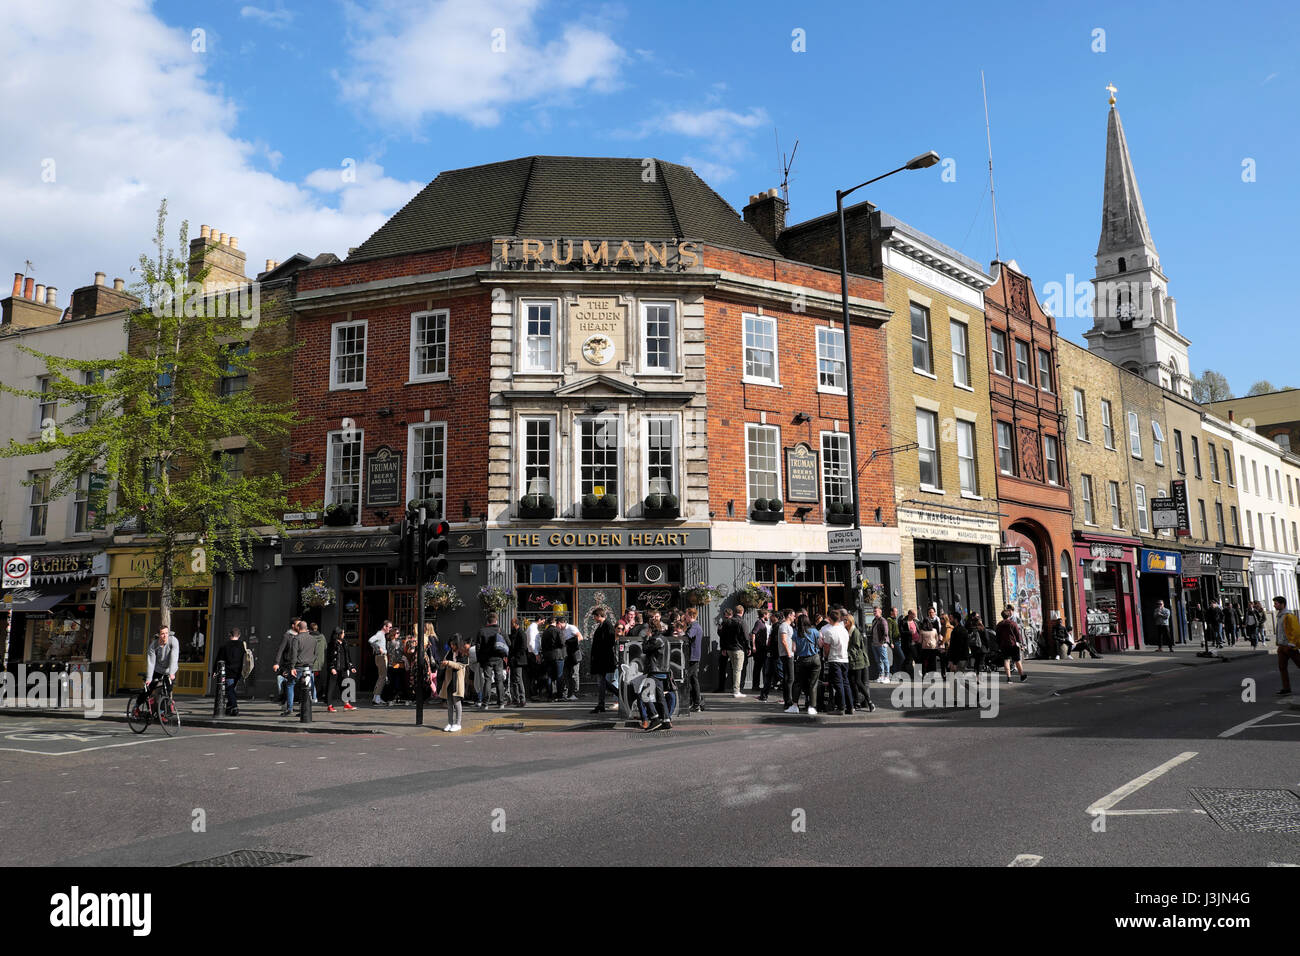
{"x":1046,"y":679}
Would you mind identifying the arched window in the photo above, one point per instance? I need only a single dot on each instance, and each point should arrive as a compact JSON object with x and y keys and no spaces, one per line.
{"x":1122,"y":266}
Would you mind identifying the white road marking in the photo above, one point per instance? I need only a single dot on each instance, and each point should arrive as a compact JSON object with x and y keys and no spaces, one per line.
{"x":1133,"y":786}
{"x":1026,"y":859}
{"x":1139,"y":813}
{"x":129,"y":743}
{"x":1282,"y":864}
{"x":278,"y":762}
{"x":1232,"y":731}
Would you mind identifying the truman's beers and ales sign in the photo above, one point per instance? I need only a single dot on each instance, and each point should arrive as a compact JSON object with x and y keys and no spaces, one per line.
{"x":674,"y":255}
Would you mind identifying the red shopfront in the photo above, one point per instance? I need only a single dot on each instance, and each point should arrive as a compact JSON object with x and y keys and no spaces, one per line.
{"x":1107,"y":569}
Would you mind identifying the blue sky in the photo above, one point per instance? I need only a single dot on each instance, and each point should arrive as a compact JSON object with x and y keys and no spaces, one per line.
{"x":249,"y":124}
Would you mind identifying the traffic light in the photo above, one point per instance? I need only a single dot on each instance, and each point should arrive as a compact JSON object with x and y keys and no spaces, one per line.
{"x":433,"y":547}
{"x":405,"y":530}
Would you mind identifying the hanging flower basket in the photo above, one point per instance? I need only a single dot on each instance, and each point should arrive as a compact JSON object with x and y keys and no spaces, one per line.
{"x":701,"y":594}
{"x":495,"y":599}
{"x":441,"y":596}
{"x":317,"y":594}
{"x":754,"y":595}
{"x":870,"y":593}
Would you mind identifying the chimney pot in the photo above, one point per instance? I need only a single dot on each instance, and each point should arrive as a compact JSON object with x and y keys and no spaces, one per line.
{"x":18,"y":284}
{"x":223,"y":239}
{"x":1231,"y":418}
{"x":234,"y":242}
{"x":51,"y":296}
{"x":28,"y":285}
{"x":205,"y":232}
{"x":118,"y":285}
{"x":772,"y":192}
{"x":40,"y":292}
{"x":99,"y":278}
{"x":270,"y":264}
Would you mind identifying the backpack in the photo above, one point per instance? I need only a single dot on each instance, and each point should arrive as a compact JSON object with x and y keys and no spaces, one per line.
{"x":502,"y":645}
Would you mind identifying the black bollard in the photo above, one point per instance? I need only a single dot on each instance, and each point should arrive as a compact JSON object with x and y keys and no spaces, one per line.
{"x":219,"y":703}
{"x":304,"y":716}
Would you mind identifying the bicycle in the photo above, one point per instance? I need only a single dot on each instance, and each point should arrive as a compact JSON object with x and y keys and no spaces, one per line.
{"x":159,"y":706}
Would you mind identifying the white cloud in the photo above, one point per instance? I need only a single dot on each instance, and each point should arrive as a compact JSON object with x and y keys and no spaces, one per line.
{"x":412,"y":59}
{"x":279,"y":17}
{"x":723,"y":135}
{"x":118,"y":103}
{"x":709,"y":124}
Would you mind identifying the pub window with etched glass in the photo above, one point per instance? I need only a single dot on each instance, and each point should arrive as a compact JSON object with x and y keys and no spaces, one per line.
{"x":660,"y":455}
{"x":830,"y":360}
{"x":429,"y":345}
{"x":836,"y":478}
{"x":658,"y":335}
{"x":539,"y":336}
{"x":762,"y":462}
{"x":343,"y":470}
{"x":429,"y":466}
{"x":600,"y":449}
{"x":538,"y":446}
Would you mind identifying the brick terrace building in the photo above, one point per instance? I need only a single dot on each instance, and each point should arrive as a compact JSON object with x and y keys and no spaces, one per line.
{"x":1033,"y":483}
{"x":606,"y":381}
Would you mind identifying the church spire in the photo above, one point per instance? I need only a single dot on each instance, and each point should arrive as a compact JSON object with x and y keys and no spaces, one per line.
{"x":1123,"y":220}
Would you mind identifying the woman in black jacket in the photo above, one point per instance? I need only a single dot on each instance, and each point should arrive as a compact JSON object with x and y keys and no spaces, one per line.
{"x":518,"y":664}
{"x":338,"y":667}
{"x":958,"y":645}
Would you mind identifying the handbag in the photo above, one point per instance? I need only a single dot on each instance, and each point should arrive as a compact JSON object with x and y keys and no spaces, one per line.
{"x":502,"y":647}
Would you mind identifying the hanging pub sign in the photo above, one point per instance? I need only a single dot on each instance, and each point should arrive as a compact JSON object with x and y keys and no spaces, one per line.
{"x":801,"y":474}
{"x":1180,"y":499}
{"x":384,"y":477}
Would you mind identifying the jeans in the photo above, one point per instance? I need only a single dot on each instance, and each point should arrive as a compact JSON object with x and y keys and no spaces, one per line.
{"x":860,"y":686}
{"x":493,"y":670}
{"x":555,"y":679}
{"x":519,"y":682}
{"x":761,"y":682}
{"x":883,"y":658}
{"x":572,"y":677}
{"x":232,"y":702}
{"x":604,"y":683}
{"x":785,"y":670}
{"x":693,"y":682}
{"x":453,"y":710}
{"x":737,"y":659}
{"x":290,"y":684}
{"x":808,"y":670}
{"x":839,"y":682}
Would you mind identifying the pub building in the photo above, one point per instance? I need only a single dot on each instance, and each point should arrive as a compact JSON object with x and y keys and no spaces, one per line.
{"x":57,"y":624}
{"x":605,"y":380}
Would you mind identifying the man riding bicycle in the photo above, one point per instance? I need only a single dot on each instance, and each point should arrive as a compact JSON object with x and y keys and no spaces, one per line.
{"x":161,"y":663}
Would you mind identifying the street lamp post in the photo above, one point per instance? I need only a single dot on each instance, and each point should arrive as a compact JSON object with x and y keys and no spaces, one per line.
{"x":918,"y":162}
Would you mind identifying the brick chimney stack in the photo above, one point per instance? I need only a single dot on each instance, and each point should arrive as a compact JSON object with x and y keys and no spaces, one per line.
{"x":31,"y":305}
{"x":99,"y":299}
{"x":766,"y":213}
{"x":220,"y":254}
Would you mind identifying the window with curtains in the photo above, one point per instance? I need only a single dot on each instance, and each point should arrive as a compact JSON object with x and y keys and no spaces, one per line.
{"x":600,"y":461}
{"x":539,"y":349}
{"x":537,"y":438}
{"x":660,"y":451}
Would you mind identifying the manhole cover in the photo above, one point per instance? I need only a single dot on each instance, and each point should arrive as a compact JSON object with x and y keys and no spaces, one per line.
{"x":247,"y":858}
{"x":1251,"y":811}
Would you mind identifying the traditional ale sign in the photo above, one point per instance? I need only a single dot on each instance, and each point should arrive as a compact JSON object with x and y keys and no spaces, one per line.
{"x":384,"y":477}
{"x":802,"y":478}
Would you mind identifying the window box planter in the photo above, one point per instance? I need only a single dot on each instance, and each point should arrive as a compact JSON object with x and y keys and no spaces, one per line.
{"x":339,"y":516}
{"x":537,"y":506}
{"x":767,"y":509}
{"x":839,"y":512}
{"x":599,"y":509}
{"x":662,"y":506}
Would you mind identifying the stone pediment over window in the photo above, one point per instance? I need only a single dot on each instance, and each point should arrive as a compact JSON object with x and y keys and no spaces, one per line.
{"x":602,"y":386}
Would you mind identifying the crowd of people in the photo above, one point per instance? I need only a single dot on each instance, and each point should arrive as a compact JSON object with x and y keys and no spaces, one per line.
{"x":813,"y":660}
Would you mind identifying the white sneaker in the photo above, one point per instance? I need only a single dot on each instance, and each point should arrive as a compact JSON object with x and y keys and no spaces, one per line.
{"x":792,"y":709}
{"x":448,"y":729}
{"x":1058,"y":657}
{"x":378,"y":701}
{"x":812,"y":711}
{"x":455,"y":728}
{"x":738,"y":696}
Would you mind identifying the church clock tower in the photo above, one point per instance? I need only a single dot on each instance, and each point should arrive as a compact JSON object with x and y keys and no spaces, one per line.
{"x":1134,"y":322}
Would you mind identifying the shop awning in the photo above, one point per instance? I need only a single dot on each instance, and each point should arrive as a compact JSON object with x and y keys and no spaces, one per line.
{"x":29,"y":599}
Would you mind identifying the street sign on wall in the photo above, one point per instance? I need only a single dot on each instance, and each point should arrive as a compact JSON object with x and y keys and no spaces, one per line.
{"x":844,"y":539}
{"x":18,"y":571}
{"x":1012,"y":557}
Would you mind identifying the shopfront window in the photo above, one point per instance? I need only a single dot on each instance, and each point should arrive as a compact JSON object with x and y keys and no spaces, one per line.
{"x":812,"y":586}
{"x":954,"y":577}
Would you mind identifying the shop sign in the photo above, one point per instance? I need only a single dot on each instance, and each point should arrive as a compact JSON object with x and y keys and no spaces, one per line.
{"x":1111,"y":552}
{"x":940,"y":525}
{"x":1232,"y":579}
{"x":341,"y":545}
{"x":1184,"y":529}
{"x":1191,"y":583}
{"x":18,"y":571}
{"x":384,"y":477}
{"x":649,"y":541}
{"x":465,"y":541}
{"x":1012,"y":557}
{"x":1201,"y":562}
{"x":1164,"y":514}
{"x":802,"y":476}
{"x":1162,"y":562}
{"x":62,"y":567}
{"x":580,"y":253}
{"x":597,"y":332}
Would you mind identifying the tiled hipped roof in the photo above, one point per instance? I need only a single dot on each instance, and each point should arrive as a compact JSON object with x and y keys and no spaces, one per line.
{"x":559,"y":196}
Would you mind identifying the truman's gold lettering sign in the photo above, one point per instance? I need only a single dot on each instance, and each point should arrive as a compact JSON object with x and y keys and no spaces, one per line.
{"x":592,"y":253}
{"x":597,"y":331}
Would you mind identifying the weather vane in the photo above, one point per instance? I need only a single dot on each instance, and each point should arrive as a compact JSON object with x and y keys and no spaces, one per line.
{"x":1111,"y":88}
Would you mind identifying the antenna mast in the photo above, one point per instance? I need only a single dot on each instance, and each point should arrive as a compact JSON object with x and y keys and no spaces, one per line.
{"x":997,"y":253}
{"x":787,"y":163}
